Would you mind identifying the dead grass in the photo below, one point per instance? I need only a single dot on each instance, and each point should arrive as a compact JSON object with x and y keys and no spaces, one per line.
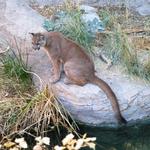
{"x":41,"y":111}
{"x":36,"y":112}
{"x":23,"y":110}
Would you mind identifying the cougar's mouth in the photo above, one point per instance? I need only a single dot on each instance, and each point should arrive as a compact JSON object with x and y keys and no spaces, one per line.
{"x":36,"y":47}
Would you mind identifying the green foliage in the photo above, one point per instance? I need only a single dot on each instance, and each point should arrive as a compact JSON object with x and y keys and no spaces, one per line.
{"x":15,"y":68}
{"x":107,"y":18}
{"x":146,"y":71}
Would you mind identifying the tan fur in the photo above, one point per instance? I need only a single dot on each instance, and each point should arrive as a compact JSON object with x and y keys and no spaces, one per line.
{"x":78,"y":67}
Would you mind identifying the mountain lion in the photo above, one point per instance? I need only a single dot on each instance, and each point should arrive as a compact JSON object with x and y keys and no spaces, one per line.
{"x":77,"y":65}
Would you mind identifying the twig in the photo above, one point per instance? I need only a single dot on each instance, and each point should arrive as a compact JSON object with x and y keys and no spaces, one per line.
{"x":30,"y":72}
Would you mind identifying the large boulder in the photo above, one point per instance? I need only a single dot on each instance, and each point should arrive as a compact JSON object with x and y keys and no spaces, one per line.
{"x":87,"y":104}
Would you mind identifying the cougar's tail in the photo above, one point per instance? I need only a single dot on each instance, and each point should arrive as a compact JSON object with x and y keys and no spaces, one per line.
{"x":111,"y":96}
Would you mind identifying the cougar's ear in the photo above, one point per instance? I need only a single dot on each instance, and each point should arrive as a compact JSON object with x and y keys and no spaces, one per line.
{"x":32,"y":34}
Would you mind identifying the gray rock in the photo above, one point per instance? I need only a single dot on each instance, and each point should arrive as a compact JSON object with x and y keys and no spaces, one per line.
{"x":19,"y":19}
{"x":144,"y":10}
{"x":88,"y":9}
{"x":87,"y":104}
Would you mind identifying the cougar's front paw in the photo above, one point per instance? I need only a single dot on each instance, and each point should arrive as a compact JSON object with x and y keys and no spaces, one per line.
{"x":54,"y":79}
{"x":67,"y":81}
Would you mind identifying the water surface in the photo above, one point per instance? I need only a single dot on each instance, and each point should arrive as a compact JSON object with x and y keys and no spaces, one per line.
{"x":132,"y":137}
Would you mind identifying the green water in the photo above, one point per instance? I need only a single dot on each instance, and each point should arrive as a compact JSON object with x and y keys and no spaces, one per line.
{"x":135,"y":137}
{"x":130,"y":137}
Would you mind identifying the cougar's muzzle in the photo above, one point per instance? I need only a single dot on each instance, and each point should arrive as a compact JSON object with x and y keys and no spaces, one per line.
{"x":36,"y":47}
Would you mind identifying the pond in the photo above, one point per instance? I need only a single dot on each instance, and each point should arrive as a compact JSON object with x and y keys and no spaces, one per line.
{"x":131,"y":137}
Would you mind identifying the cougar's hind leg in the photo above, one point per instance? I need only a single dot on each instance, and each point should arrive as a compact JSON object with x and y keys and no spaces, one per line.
{"x":74,"y":74}
{"x":68,"y":81}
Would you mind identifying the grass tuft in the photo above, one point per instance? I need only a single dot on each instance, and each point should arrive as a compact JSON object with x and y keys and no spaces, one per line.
{"x":38,"y":113}
{"x":14,"y":67}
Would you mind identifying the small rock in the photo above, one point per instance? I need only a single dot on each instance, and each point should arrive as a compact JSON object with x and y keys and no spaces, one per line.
{"x":144,"y":10}
{"x":88,"y":9}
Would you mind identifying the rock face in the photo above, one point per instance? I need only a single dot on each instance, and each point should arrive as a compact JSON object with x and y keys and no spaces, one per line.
{"x":19,"y":19}
{"x":87,"y":104}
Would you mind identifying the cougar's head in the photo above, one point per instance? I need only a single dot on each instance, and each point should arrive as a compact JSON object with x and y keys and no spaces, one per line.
{"x":38,"y":40}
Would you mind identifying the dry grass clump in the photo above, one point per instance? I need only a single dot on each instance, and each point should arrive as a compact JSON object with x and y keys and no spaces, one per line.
{"x":22,"y":107}
{"x":39,"y":112}
{"x":48,"y":11}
